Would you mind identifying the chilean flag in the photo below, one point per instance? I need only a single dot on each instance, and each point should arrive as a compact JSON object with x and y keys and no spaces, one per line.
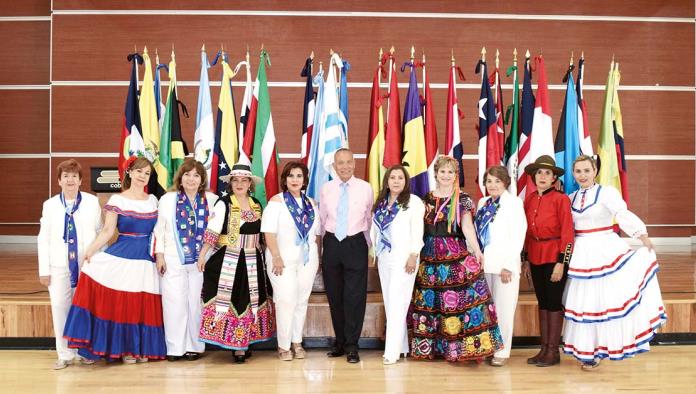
{"x":488,"y":152}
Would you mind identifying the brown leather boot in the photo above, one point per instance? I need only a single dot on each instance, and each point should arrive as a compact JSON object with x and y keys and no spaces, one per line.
{"x":544,"y":340}
{"x":552,"y":355}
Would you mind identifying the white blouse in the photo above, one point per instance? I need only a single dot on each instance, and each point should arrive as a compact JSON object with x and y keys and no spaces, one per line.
{"x":405,"y":232}
{"x":277,"y":220}
{"x":165,"y":229}
{"x":602,"y":205}
{"x":507,"y":233}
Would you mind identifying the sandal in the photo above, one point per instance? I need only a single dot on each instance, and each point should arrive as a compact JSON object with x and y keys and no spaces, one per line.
{"x":284,"y":355}
{"x":299,"y":351}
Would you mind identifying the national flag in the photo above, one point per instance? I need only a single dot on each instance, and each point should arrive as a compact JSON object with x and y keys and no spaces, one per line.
{"x":498,"y":147}
{"x":334,"y":122}
{"x":567,"y":145}
{"x":307,"y":112}
{"x":431,"y":148}
{"x":453,"y":142}
{"x":226,"y":145}
{"x":392,"y":133}
{"x":131,"y":142}
{"x":414,"y":139}
{"x":318,"y":175}
{"x":158,"y":92}
{"x":542,"y":129}
{"x":583,"y":126}
{"x":512,"y":144}
{"x":247,"y":119}
{"x":488,"y":151}
{"x":150,"y":129}
{"x":374,"y":171}
{"x":174,"y":148}
{"x":611,"y":154}
{"x":343,"y":101}
{"x":264,"y":162}
{"x":204,"y":137}
{"x":525,"y":183}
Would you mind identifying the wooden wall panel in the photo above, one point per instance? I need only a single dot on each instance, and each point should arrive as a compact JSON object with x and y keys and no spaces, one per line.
{"x":638,"y":46}
{"x":25,"y":8}
{"x":24,"y":53}
{"x":86,"y":163}
{"x":23,"y":189}
{"x":24,"y":115}
{"x":19,"y":229}
{"x":649,"y":125}
{"x":662,"y":192}
{"x":671,"y":8}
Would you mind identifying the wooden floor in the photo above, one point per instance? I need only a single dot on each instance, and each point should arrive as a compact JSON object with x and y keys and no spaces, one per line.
{"x":664,"y":369}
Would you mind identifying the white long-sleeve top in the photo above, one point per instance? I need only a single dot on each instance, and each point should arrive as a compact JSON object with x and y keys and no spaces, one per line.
{"x":165,"y":229}
{"x":52,"y":250}
{"x":277,"y":220}
{"x":406,"y":232}
{"x":507,"y":233}
{"x":602,"y":205}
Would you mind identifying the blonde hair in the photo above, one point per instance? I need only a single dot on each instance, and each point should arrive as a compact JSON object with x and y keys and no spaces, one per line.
{"x":580,"y":158}
{"x":443,"y":161}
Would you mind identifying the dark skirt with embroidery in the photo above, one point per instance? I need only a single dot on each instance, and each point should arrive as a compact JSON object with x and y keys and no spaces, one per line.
{"x":235,"y":324}
{"x":452,"y":314}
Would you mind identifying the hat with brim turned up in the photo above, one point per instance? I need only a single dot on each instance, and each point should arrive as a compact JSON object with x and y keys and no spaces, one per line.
{"x":241,"y":170}
{"x":546,"y":162}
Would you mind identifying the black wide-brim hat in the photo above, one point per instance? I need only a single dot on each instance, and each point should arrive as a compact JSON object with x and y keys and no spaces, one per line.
{"x":544,"y":161}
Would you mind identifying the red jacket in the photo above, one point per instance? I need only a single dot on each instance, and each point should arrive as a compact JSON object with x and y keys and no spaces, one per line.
{"x":550,"y":231}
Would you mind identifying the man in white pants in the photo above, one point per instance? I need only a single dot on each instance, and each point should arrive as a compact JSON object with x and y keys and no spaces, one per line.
{"x":69,"y":223}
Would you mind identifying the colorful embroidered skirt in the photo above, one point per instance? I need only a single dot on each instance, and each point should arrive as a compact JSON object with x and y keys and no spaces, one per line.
{"x":452,"y":314}
{"x":613,"y":303}
{"x":222,"y":323}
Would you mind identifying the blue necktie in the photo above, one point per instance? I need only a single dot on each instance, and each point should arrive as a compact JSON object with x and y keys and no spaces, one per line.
{"x":342,"y":213}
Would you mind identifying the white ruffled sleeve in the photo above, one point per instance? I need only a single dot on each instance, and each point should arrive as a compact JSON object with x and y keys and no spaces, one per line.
{"x":627,"y":220}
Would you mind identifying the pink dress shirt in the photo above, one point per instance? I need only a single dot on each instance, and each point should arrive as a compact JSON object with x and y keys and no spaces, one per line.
{"x":360,"y":199}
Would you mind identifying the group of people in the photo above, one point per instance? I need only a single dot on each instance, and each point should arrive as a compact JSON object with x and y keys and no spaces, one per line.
{"x":193,"y":268}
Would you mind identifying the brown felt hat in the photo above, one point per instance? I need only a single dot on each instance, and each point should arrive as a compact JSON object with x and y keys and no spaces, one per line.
{"x":544,"y":161}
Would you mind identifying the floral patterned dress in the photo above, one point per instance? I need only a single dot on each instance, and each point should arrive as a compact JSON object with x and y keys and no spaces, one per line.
{"x":452,"y":313}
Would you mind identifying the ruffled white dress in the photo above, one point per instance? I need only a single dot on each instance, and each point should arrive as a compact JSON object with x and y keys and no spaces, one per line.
{"x":613,"y":304}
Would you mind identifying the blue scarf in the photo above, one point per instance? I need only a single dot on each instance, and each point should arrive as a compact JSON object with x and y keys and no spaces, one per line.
{"x":70,"y":237}
{"x":190,"y":225}
{"x":303,"y":217}
{"x":484,"y":217}
{"x":384,"y":216}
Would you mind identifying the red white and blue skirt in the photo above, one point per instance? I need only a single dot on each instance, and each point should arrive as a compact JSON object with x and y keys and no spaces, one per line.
{"x":613,"y":304}
{"x":117,"y":307}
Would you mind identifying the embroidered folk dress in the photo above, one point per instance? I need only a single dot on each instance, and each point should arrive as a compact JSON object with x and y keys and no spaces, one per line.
{"x":452,"y":312}
{"x":237,"y":305}
{"x":117,"y":308}
{"x":613,"y":303}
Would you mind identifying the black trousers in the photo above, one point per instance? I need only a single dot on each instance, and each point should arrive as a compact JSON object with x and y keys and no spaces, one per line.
{"x":344,"y":267}
{"x":549,"y":294}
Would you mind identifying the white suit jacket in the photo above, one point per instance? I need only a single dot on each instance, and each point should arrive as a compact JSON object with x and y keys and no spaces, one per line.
{"x":51,"y":247}
{"x":507,"y":233}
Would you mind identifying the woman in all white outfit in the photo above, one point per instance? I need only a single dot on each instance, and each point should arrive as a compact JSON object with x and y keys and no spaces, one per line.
{"x":397,"y":236}
{"x":290,"y":225}
{"x":181,"y":222}
{"x":613,"y":304}
{"x":501,"y":227}
{"x":69,"y":223}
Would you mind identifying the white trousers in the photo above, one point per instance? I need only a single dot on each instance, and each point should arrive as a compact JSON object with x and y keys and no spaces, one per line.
{"x":181,"y":307}
{"x":61,"y":298}
{"x":291,"y":292}
{"x":397,"y":289}
{"x":505,"y":299}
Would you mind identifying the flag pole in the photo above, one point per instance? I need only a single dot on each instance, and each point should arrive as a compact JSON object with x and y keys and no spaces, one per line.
{"x":424,"y":77}
{"x":379,"y":64}
{"x":391,"y":64}
{"x":497,"y":75}
{"x":483,"y":60}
